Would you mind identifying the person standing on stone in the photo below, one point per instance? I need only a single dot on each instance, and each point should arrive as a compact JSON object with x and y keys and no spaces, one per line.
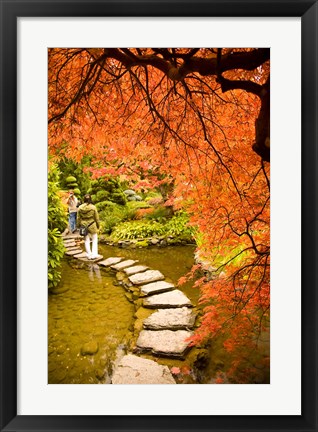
{"x":72,"y":211}
{"x":88,"y":216}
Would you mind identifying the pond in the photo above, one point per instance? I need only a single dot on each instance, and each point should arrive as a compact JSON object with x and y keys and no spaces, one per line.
{"x":91,"y":314}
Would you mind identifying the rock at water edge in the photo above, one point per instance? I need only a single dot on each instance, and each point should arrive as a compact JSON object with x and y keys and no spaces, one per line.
{"x":170,"y":299}
{"x":123,"y":264}
{"x":175,"y":319}
{"x":146,"y":277}
{"x":90,"y":348}
{"x":156,"y":287}
{"x":137,"y":370}
{"x":164,"y":342}
{"x":110,"y":261}
{"x":135,"y":269}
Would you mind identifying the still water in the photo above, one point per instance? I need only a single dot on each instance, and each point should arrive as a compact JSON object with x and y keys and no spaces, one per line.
{"x":92,"y":314}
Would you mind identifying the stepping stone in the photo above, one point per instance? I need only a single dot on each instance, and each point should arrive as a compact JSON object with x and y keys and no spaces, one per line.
{"x":136,"y":370}
{"x":176,"y":319}
{"x":85,"y":259}
{"x":156,"y":287}
{"x":72,"y":237}
{"x":123,"y":264}
{"x":164,"y":342}
{"x":74,"y":252}
{"x":81,"y":255}
{"x":72,"y":248}
{"x":135,"y":269}
{"x":110,"y":261}
{"x":171,"y":299}
{"x":146,"y":277}
{"x":69,"y":244}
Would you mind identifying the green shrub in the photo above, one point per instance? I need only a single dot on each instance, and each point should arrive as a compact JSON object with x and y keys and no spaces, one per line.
{"x":102,"y":196}
{"x":137,"y":229}
{"x":111,"y":214}
{"x":152,"y":194}
{"x":109,"y":189}
{"x":135,"y":205}
{"x":119,"y":198}
{"x":102,"y":205}
{"x":57,"y":222}
{"x":70,"y":179}
{"x":73,"y":172}
{"x":178,"y":226}
{"x":159,"y":213}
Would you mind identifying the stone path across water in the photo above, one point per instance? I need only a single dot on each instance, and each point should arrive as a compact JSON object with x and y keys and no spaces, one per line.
{"x":71,"y":244}
{"x":173,"y":319}
{"x":164,"y":332}
{"x":136,"y":370}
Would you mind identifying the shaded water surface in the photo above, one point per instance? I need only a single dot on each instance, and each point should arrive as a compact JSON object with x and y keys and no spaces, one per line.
{"x":90,"y":319}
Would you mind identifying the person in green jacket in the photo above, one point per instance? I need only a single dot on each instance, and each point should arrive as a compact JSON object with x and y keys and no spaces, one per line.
{"x":87,"y":215}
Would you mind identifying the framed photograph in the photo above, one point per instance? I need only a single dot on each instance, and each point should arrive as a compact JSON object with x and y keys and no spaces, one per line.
{"x":66,"y":61}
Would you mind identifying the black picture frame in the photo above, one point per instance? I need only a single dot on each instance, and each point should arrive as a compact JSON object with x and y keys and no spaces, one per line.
{"x":10,"y":11}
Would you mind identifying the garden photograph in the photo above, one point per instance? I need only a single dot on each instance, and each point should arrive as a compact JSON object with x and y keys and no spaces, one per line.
{"x":158,"y":216}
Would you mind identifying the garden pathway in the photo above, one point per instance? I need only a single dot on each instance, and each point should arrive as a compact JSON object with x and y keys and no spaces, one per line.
{"x":162,"y":332}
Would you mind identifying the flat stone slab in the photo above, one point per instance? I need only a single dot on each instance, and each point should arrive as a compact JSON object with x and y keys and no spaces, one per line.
{"x":171,"y":299}
{"x":156,"y":287}
{"x":72,"y":236}
{"x":81,"y":255}
{"x":110,"y":261}
{"x":146,"y":277}
{"x":175,"y":319}
{"x":74,"y":252}
{"x":72,"y":247}
{"x":164,"y":342}
{"x":135,"y":269}
{"x":85,"y":259}
{"x":137,"y":370}
{"x":122,"y":265}
{"x":69,"y":243}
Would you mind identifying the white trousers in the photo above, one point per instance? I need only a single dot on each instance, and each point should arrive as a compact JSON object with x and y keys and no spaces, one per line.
{"x":94,"y":252}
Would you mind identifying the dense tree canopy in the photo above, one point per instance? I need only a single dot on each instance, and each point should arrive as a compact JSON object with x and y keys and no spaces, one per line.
{"x":198,"y":118}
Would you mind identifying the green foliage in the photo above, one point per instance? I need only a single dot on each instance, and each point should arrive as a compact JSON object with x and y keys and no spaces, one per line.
{"x":72,"y":186}
{"x":109,"y":189}
{"x":137,"y":229}
{"x":119,"y":198}
{"x":73,"y":174}
{"x":57,"y":222}
{"x":102,"y":196}
{"x":103,"y":205}
{"x":135,"y":205}
{"x":176,"y":227}
{"x":70,"y":179}
{"x":111,"y":214}
{"x":159,"y":213}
